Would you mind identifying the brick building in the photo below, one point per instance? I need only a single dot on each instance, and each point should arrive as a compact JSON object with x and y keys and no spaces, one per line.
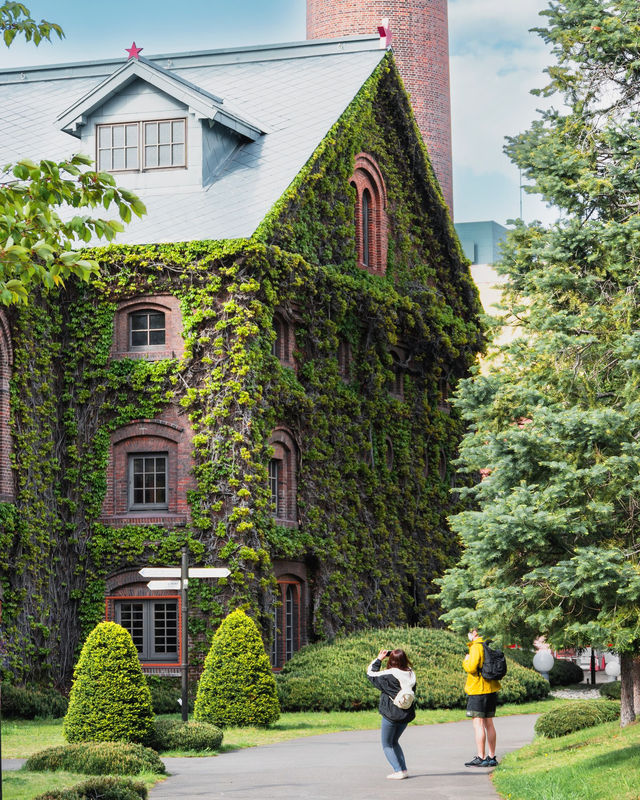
{"x":261,"y":371}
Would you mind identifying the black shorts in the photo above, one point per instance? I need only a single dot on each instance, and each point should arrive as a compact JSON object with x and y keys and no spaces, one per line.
{"x":482,"y":705}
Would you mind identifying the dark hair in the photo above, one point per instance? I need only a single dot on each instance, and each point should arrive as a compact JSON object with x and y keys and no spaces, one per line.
{"x":399,"y":660}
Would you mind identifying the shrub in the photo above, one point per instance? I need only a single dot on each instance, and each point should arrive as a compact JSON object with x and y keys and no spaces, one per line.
{"x":330,"y":677}
{"x":97,"y":758}
{"x":32,"y":702}
{"x":237,"y":686}
{"x":565,"y":673}
{"x":173,"y":735}
{"x":110,"y":700}
{"x":164,"y":694}
{"x":611,"y":690}
{"x":104,"y":788}
{"x":575,"y":716}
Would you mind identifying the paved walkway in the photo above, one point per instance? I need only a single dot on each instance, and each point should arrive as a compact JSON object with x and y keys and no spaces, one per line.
{"x":346,"y":765}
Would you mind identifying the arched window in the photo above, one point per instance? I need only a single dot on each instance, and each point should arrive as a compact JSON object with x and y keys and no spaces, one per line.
{"x":288,"y":622}
{"x":396,"y":385}
{"x":370,"y":214}
{"x":282,"y":478}
{"x":344,"y":359}
{"x":284,"y":342}
{"x":148,"y":327}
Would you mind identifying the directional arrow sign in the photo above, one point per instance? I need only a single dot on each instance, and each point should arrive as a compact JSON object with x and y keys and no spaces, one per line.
{"x":175,"y":572}
{"x":208,"y":572}
{"x":159,"y":585}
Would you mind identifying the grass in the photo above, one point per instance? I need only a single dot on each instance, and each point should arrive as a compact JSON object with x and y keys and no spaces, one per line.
{"x":21,"y":738}
{"x":23,"y":785}
{"x":592,"y":764}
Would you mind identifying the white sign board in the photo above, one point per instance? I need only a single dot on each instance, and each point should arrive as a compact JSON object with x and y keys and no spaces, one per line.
{"x":157,"y":586}
{"x":175,"y":572}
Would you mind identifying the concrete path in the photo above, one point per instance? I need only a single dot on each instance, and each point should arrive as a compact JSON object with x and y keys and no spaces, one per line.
{"x":346,"y":765}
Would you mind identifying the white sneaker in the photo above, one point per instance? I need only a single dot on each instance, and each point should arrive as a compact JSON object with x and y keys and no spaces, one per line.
{"x":398,"y":776}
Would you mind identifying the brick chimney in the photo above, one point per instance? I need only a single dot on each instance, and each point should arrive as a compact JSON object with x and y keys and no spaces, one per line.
{"x":420,"y":41}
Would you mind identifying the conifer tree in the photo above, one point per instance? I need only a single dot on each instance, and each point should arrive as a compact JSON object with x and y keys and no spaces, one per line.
{"x":237,"y":686}
{"x":110,"y":700}
{"x":552,"y":537}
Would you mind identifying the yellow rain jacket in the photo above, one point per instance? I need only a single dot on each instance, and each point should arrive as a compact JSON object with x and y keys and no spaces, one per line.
{"x":472,"y":664}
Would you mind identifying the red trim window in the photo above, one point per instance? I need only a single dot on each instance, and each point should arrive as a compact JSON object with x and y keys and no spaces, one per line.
{"x":370,"y":215}
{"x":287,"y":621}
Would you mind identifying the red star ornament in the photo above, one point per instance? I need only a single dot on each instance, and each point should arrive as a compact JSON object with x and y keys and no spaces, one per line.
{"x":134,"y":52}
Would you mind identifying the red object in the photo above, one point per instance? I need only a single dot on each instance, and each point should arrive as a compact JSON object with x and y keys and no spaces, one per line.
{"x":134,"y":52}
{"x":421,"y":51}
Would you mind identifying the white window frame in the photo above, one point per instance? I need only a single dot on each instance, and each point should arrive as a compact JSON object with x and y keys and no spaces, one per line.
{"x":142,"y":144}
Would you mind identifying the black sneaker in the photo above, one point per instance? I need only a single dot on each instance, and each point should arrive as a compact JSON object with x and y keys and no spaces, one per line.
{"x":490,"y":761}
{"x":476,"y":761}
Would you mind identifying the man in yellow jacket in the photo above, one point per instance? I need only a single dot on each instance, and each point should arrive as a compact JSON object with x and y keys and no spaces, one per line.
{"x":481,"y":703}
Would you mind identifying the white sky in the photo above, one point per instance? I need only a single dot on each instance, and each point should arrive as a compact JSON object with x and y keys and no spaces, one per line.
{"x":494,"y":64}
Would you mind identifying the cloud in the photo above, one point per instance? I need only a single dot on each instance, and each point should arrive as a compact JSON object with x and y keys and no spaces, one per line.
{"x":495,"y":62}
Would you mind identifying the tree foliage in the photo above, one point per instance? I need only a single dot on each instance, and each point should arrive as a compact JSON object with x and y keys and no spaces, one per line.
{"x":552,"y":535}
{"x":237,"y":686}
{"x":110,"y":700}
{"x":39,"y":229}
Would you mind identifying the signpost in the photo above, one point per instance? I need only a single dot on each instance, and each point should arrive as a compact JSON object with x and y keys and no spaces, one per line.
{"x":178,"y":578}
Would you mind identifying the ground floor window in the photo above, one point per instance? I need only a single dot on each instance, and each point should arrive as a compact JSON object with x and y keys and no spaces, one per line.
{"x":153,"y":625}
{"x":287,"y":622}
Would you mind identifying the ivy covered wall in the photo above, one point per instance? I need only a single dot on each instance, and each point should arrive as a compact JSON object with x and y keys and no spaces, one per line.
{"x":374,"y":471}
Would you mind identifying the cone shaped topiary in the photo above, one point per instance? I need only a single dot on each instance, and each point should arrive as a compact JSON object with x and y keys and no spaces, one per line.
{"x":110,"y":700}
{"x":237,"y":686}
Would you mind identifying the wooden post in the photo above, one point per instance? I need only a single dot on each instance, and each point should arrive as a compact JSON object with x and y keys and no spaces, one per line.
{"x":184,"y":582}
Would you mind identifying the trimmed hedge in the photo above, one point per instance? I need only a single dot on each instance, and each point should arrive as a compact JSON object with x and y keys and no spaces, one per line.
{"x":611,"y":690}
{"x":97,"y":758}
{"x":237,"y":686}
{"x":331,"y":677}
{"x":575,"y":716}
{"x":110,"y":700}
{"x":103,"y":788}
{"x":164,"y":694}
{"x":28,"y":702}
{"x":563,"y":673}
{"x":173,"y":735}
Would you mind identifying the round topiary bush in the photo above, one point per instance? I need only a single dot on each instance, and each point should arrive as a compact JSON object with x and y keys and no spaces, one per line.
{"x":330,"y":676}
{"x":97,"y":758}
{"x":237,"y":686}
{"x":110,"y":700}
{"x":174,"y":735}
{"x":611,"y":690}
{"x":575,"y":716}
{"x":565,"y":673}
{"x":103,"y":788}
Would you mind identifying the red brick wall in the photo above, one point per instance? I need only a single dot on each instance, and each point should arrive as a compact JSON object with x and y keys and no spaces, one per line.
{"x":420,"y":42}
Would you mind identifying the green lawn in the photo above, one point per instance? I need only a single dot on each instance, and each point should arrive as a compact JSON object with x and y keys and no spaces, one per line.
{"x":595,"y":764}
{"x":22,"y":785}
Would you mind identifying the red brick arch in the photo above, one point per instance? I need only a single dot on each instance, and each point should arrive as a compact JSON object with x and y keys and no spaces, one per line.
{"x":367,"y":178}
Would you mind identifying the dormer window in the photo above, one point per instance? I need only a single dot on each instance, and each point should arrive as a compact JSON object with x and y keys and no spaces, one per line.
{"x":147,"y":328}
{"x":161,"y":143}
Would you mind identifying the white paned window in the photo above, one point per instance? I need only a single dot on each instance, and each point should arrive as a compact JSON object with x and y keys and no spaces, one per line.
{"x":118,"y":147}
{"x":136,"y":146}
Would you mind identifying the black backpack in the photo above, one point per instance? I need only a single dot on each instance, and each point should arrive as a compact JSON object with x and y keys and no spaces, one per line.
{"x":494,"y":666}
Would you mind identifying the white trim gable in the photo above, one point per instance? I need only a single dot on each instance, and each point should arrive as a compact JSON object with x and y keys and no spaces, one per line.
{"x":201,"y":104}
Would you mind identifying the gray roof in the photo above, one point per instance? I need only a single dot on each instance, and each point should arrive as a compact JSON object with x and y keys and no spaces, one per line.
{"x":295,"y":92}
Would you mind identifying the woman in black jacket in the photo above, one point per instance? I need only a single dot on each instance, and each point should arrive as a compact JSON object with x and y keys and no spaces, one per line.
{"x":397,"y":686}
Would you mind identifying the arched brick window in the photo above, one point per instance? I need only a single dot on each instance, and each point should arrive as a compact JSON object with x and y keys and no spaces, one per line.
{"x":282,"y":478}
{"x":6,"y":361}
{"x":149,"y":472}
{"x":289,"y":629}
{"x":370,"y":214}
{"x":284,"y":342}
{"x":148,"y":327}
